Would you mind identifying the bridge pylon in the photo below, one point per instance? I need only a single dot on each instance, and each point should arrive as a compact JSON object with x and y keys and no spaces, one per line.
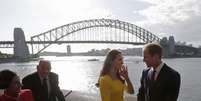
{"x":21,"y":49}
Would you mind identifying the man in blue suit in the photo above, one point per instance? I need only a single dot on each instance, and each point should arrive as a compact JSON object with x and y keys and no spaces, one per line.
{"x":43,"y":83}
{"x":159,"y":82}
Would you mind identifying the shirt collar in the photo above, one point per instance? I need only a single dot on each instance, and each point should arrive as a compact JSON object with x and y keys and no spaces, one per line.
{"x":41,"y":78}
{"x":158,"y":69}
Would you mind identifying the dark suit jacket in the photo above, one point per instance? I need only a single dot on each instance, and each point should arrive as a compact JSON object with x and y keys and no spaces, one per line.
{"x":33,"y":82}
{"x":164,"y":88}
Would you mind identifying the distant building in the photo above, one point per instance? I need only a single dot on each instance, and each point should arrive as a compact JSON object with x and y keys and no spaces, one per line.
{"x":68,"y":50}
{"x":171,"y":45}
{"x":168,"y":46}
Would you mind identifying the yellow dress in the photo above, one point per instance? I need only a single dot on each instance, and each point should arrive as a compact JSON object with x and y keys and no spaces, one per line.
{"x":111,"y":90}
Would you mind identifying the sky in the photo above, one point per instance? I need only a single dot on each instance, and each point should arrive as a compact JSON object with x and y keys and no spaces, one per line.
{"x":180,"y":18}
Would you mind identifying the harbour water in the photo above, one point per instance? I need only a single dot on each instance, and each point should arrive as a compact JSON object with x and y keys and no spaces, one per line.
{"x":78,"y":74}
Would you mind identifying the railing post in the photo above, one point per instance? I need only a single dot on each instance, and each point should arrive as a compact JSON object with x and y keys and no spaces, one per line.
{"x":32,"y":45}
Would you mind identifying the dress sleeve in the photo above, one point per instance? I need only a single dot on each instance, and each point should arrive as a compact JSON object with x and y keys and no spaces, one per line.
{"x":26,"y":95}
{"x":105,"y":88}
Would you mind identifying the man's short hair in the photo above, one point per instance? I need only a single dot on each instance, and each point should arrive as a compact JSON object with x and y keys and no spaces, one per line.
{"x":154,"y":48}
{"x":42,"y":62}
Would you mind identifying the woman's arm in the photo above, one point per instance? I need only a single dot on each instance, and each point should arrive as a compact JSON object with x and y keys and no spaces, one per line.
{"x":129,"y":85}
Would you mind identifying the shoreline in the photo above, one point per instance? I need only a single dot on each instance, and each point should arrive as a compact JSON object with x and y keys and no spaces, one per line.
{"x":16,"y":60}
{"x":10,"y":60}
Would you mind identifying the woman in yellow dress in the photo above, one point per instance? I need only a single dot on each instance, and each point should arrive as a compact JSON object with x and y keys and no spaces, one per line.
{"x":114,"y":78}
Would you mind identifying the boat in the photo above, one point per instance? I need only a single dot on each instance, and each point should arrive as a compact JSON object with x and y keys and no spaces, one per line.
{"x":93,"y":59}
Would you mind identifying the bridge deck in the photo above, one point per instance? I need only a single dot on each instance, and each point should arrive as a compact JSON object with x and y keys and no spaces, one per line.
{"x":60,"y":42}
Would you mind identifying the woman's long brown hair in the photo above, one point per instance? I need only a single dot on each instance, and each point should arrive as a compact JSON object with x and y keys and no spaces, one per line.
{"x":108,"y":64}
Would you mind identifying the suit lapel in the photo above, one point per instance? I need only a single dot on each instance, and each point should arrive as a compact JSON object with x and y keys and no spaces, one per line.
{"x":160,"y":76}
{"x":37,"y":80}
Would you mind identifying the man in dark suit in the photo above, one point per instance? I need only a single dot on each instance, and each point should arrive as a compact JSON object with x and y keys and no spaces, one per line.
{"x":159,"y":82}
{"x":43,"y":83}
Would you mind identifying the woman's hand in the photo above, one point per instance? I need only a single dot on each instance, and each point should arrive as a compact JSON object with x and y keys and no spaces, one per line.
{"x":124,"y":72}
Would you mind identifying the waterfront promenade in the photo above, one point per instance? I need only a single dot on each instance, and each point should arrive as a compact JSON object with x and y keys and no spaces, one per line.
{"x":78,"y":96}
{"x":78,"y":74}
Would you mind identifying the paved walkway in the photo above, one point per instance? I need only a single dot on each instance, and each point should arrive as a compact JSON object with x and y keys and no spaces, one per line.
{"x":78,"y":96}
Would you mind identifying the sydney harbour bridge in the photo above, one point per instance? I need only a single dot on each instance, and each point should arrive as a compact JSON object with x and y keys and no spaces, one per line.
{"x":86,"y":31}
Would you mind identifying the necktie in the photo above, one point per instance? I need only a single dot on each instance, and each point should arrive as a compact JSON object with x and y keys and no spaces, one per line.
{"x":151,"y":86}
{"x":153,"y":75}
{"x":45,"y":88}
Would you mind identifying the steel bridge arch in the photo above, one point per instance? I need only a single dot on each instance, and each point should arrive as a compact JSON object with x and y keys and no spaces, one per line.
{"x":60,"y":32}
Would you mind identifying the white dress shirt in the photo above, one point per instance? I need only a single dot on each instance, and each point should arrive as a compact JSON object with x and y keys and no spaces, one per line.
{"x":48,"y":83}
{"x":157,"y":69}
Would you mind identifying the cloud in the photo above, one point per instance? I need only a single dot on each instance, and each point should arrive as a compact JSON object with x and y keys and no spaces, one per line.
{"x":180,"y":18}
{"x":170,"y":11}
{"x":99,"y":13}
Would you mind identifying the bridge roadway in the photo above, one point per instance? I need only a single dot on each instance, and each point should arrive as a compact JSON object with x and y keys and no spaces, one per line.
{"x":60,"y":42}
